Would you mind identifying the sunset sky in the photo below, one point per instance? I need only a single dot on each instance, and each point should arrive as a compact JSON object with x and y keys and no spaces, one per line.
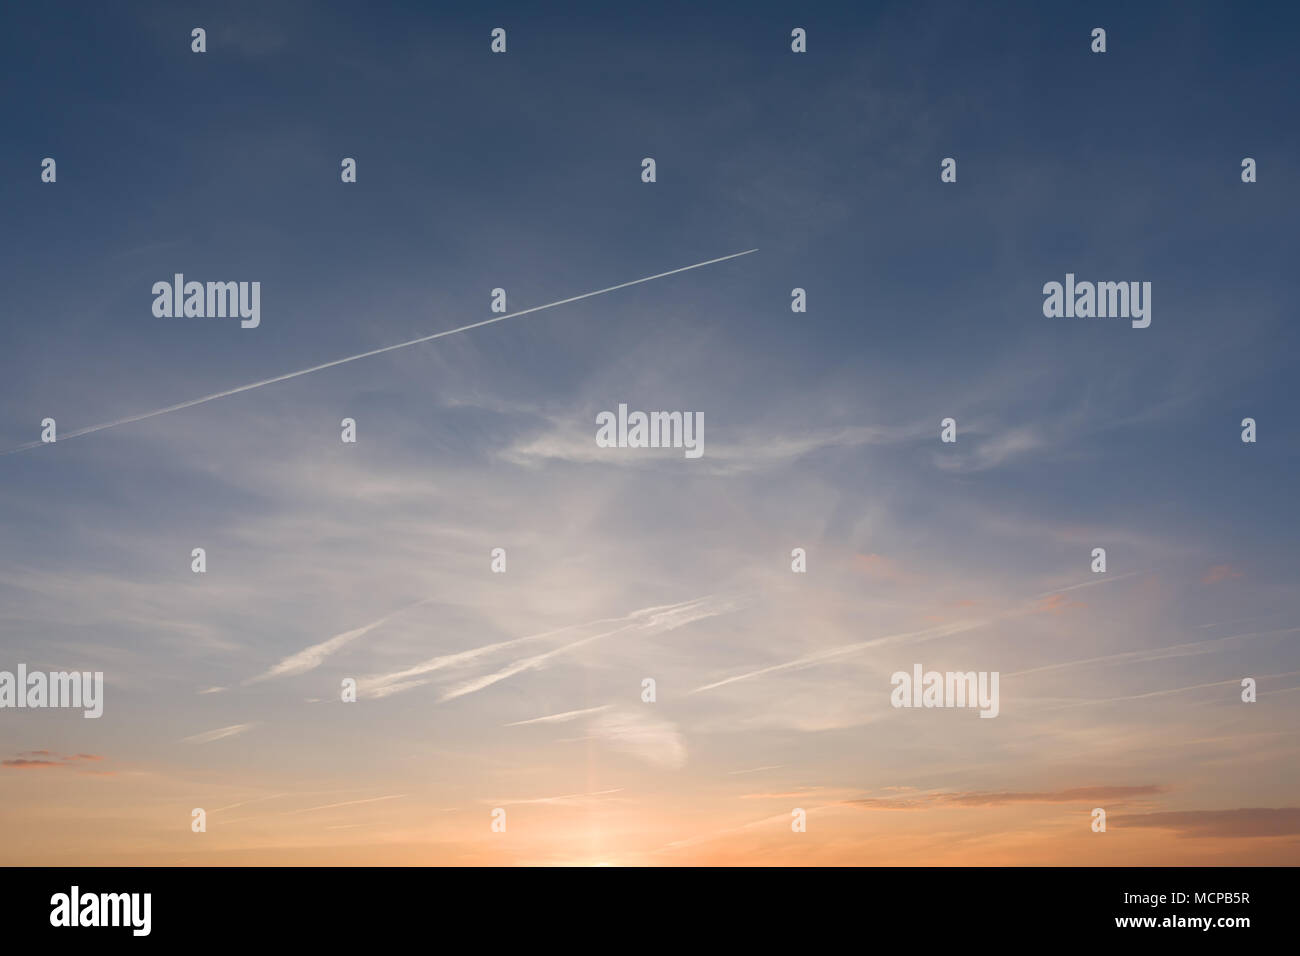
{"x":523,"y":690}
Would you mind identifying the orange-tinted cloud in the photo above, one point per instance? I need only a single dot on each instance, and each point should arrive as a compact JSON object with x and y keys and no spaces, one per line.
{"x":879,"y":566}
{"x":1221,"y":572}
{"x":1085,"y":794}
{"x":1218,"y":824}
{"x":877,"y":803}
{"x":974,"y":799}
{"x":25,"y":761}
{"x":1056,"y":604}
{"x":797,"y":794}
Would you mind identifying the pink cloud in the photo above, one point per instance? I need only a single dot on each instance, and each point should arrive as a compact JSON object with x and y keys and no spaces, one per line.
{"x":1057,"y":604}
{"x":1221,"y":572}
{"x":64,"y":761}
{"x":879,"y":566}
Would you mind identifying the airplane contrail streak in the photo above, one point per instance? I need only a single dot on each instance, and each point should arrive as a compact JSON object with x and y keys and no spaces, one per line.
{"x":353,"y":358}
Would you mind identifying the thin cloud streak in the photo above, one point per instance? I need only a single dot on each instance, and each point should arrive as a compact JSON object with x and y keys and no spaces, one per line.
{"x":559,"y":718}
{"x":566,"y":799}
{"x":1155,"y":654}
{"x":361,"y":355}
{"x":349,"y":803}
{"x":382,"y":685}
{"x":1236,"y":823}
{"x":1173,"y":690}
{"x":518,"y":667}
{"x":1089,"y":584}
{"x":810,"y":660}
{"x":649,"y":619}
{"x":310,"y":658}
{"x":219,"y":734}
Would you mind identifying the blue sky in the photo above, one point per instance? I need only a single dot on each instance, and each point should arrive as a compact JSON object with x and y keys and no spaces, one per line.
{"x":522,"y":171}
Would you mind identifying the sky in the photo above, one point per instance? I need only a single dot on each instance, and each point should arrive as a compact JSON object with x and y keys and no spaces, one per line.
{"x":522,"y":691}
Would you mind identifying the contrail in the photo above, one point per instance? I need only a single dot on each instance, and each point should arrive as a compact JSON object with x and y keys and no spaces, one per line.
{"x":348,"y":803}
{"x":559,"y":718}
{"x":808,"y":660}
{"x":310,"y":658}
{"x":220,"y":733}
{"x":1154,"y":654}
{"x":387,"y":348}
{"x":1087,"y":584}
{"x":382,"y":685}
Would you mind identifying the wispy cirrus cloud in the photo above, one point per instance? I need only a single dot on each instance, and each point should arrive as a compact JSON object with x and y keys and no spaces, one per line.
{"x":523,"y":664}
{"x":559,"y":718}
{"x":654,"y":740}
{"x":384,"y":685}
{"x":746,"y":449}
{"x":645,"y":621}
{"x":566,"y":799}
{"x":208,"y":736}
{"x":781,"y":818}
{"x":1103,"y":579}
{"x":349,"y":803}
{"x":821,"y":657}
{"x":1165,"y":692}
{"x":991,"y":451}
{"x":1188,"y":649}
{"x":309,"y":658}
